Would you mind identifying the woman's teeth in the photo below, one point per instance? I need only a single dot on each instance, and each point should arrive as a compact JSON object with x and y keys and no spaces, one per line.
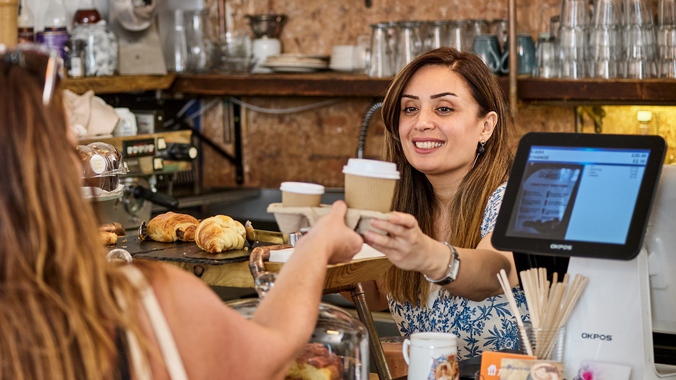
{"x":427,"y":144}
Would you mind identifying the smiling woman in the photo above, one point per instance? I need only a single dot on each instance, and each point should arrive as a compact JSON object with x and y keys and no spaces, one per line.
{"x":447,"y":131}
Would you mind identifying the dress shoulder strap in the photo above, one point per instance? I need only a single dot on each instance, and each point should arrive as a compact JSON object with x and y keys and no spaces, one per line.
{"x":165,"y":338}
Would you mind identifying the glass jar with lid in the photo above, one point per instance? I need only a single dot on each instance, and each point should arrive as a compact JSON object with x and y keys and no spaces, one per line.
{"x":101,"y":48}
{"x":339,"y":343}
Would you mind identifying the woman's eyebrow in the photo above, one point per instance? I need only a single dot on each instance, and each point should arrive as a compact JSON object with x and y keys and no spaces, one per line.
{"x":442,"y":95}
{"x":435,"y":96}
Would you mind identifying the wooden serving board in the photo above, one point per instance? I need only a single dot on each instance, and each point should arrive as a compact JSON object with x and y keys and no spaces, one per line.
{"x":182,"y":252}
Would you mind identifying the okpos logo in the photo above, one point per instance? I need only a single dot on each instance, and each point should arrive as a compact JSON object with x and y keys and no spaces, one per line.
{"x":603,"y":337}
{"x":565,"y":247}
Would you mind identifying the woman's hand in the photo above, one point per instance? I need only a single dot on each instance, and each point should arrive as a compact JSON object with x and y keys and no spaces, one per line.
{"x":406,"y":245}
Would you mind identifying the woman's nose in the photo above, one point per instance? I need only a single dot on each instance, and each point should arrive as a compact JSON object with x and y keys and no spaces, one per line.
{"x":425,"y":121}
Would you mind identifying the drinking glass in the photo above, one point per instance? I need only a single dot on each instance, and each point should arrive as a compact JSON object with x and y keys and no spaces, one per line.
{"x":180,"y":51}
{"x":195,"y":28}
{"x":499,"y":28}
{"x":409,"y":43}
{"x":456,"y":34}
{"x":475,"y":28}
{"x":381,"y":62}
{"x":573,"y":38}
{"x":638,"y":40}
{"x":436,"y":35}
{"x":547,"y":58}
{"x":362,"y":54}
{"x":605,"y":39}
{"x":666,"y":39}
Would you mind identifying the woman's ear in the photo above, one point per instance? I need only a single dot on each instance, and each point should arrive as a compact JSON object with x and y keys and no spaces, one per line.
{"x":489,"y":122}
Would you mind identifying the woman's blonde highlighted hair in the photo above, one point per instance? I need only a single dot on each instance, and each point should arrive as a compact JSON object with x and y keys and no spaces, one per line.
{"x":58,"y":314}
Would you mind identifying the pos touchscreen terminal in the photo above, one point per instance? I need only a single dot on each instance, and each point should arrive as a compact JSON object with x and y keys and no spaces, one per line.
{"x":588,"y":198}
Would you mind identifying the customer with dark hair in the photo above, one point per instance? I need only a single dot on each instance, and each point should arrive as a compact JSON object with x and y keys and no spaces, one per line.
{"x":66,"y":313}
{"x":447,"y":130}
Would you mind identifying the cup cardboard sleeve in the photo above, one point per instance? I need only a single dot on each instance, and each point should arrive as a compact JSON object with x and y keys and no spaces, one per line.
{"x":369,"y":193}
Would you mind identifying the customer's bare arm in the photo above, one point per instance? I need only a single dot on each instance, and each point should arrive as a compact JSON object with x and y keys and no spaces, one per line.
{"x":216,"y":342}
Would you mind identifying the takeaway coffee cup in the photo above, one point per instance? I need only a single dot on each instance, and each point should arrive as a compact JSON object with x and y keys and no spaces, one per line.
{"x":431,"y":355}
{"x":301,"y":194}
{"x":369,"y":184}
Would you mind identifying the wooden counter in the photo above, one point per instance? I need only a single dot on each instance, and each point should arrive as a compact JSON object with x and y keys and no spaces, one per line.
{"x":237,"y":275}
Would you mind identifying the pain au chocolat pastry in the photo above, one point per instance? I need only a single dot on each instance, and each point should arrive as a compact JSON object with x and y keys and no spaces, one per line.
{"x":172,"y":226}
{"x":316,"y":362}
{"x":220,"y":233}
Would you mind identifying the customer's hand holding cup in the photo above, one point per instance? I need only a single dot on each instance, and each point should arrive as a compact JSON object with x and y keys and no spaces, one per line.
{"x":369,"y":184}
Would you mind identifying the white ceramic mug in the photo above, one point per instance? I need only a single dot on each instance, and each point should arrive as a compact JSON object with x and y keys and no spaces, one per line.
{"x":432,"y":355}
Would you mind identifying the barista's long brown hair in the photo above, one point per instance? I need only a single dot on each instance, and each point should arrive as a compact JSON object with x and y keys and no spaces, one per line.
{"x":58,"y":315}
{"x":414,"y":193}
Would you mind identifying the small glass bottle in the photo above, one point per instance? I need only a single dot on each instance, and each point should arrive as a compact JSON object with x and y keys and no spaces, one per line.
{"x":25,"y":23}
{"x":76,"y":58}
{"x":55,"y":35}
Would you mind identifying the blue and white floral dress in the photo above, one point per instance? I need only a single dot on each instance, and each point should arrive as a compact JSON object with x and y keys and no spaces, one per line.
{"x":480,"y":326}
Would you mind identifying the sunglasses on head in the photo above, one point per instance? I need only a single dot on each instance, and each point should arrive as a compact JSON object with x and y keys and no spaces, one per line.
{"x":40,"y":61}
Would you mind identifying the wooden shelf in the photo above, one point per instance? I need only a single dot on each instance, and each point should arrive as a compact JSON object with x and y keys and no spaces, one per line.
{"x":119,"y":83}
{"x":332,"y":84}
{"x":310,"y":84}
{"x":596,"y":91}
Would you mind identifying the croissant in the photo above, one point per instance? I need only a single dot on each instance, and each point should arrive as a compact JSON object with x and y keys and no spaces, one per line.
{"x":220,"y":233}
{"x":108,"y":238}
{"x":171,"y":226}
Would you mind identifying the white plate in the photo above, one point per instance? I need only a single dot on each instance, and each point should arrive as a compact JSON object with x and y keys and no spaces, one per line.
{"x":294,"y":67}
{"x":300,"y":56}
{"x":342,"y":69}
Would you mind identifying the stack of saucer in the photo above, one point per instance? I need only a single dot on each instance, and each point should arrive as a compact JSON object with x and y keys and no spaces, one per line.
{"x":296,"y":63}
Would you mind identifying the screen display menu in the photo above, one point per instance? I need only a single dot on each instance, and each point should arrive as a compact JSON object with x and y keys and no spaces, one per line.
{"x":583,"y":194}
{"x":571,"y":194}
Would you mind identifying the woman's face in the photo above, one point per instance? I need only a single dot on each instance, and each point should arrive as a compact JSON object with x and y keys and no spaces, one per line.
{"x":439,"y":124}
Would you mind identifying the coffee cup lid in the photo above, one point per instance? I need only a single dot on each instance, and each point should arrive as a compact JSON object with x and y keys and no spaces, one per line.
{"x":371,"y":168}
{"x":302,"y":188}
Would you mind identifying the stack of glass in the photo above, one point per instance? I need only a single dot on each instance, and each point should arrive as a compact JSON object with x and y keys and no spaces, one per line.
{"x":605,"y":40}
{"x":573,"y":38}
{"x":638,"y":40}
{"x":666,"y":39}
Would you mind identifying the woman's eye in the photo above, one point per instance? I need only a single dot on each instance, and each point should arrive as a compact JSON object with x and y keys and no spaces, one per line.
{"x":445,"y":109}
{"x":409,"y":110}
